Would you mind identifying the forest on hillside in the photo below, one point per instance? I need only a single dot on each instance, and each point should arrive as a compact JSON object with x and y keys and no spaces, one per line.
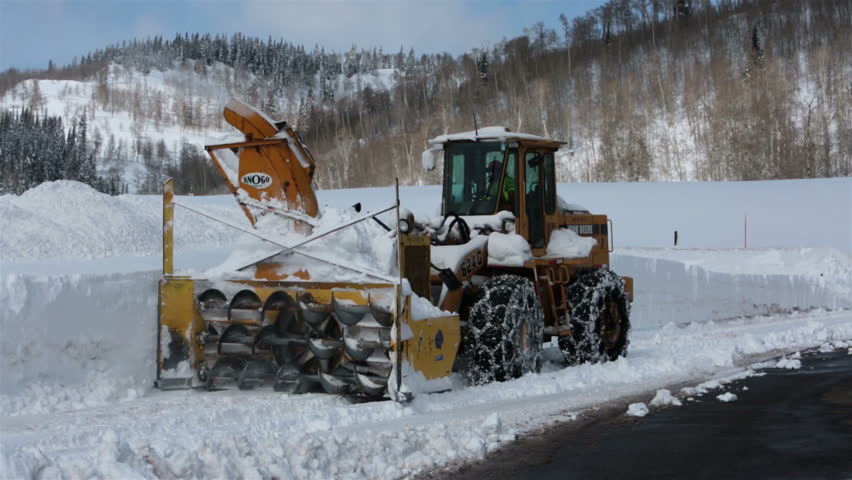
{"x":638,"y":89}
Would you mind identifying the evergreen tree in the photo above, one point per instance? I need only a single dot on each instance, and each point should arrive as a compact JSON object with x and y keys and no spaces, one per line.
{"x":482,"y":67}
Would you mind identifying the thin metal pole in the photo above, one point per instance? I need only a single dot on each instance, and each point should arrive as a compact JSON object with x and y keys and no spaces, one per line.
{"x":398,"y":321}
{"x":168,"y":227}
{"x":399,"y":298}
{"x":347,"y":224}
{"x":293,"y":216}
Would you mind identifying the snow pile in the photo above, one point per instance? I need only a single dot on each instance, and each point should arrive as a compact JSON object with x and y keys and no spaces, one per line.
{"x":828,"y":347}
{"x":350,"y":253}
{"x":716,"y":383}
{"x":664,"y":397}
{"x":566,"y":243}
{"x":637,"y":410}
{"x":726,"y":397}
{"x":508,"y":250}
{"x":569,"y":208}
{"x":790,"y":362}
{"x":67,"y":219}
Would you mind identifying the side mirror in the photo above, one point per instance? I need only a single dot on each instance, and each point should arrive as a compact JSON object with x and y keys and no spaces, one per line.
{"x":430,"y":157}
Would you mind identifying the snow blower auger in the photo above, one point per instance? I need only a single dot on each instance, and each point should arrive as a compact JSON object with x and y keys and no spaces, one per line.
{"x":506,"y":267}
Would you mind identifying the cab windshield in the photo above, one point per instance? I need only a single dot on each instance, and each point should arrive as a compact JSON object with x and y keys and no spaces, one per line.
{"x":473,"y":171}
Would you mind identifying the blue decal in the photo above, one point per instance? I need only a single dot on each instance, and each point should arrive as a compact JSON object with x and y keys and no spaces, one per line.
{"x":439,"y":339}
{"x":439,"y":358}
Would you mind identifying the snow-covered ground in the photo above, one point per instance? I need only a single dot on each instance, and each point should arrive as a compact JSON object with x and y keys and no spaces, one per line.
{"x":78,"y":275}
{"x":265,"y":434}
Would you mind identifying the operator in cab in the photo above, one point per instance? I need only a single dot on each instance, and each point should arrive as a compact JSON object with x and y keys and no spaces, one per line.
{"x":506,"y":198}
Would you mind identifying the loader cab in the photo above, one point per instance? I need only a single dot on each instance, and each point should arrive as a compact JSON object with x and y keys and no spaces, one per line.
{"x":488,"y":175}
{"x":480,"y":178}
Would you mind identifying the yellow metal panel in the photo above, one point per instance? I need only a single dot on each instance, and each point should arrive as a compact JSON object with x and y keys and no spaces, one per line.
{"x":356,"y":297}
{"x":272,"y":271}
{"x":433,"y":348}
{"x":247,"y":120}
{"x":179,"y":313}
{"x":256,"y":160}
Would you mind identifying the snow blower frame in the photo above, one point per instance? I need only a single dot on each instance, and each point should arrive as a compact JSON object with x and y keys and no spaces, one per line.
{"x":299,"y":336}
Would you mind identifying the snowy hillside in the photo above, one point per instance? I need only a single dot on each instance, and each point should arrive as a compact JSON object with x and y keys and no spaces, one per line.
{"x":78,"y":298}
{"x":134,"y":109}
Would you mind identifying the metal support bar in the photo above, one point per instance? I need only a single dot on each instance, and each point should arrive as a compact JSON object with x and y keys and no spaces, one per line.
{"x":398,"y":319}
{"x":284,"y":213}
{"x":168,"y":227}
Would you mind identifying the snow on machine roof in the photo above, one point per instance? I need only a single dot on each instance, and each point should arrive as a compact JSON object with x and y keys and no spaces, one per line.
{"x":499,"y":133}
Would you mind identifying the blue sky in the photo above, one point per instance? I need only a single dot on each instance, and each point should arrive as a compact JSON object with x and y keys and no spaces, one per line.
{"x":35,"y":31}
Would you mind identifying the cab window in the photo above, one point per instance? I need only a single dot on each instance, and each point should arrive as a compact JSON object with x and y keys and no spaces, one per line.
{"x":549,"y":183}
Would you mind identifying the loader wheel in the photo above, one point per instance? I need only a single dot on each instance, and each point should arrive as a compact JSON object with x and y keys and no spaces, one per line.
{"x":599,"y":318}
{"x":504,"y":332}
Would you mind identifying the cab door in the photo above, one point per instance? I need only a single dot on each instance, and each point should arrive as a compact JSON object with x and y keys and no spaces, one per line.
{"x":534,"y":196}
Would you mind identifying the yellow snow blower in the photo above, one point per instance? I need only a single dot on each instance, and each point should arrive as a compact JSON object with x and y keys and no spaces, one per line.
{"x":477,"y":291}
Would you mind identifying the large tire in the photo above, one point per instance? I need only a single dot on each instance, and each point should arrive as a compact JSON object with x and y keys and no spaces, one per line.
{"x":505,"y":327}
{"x":600,"y":318}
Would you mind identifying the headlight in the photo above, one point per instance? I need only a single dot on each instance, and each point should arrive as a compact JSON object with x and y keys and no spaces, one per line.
{"x":508,"y":226}
{"x":404,"y":225}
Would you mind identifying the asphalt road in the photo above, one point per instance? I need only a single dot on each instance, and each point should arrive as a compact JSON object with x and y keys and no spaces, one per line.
{"x":788,"y":424}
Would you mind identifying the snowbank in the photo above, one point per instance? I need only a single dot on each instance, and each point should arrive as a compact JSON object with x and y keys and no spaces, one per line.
{"x":73,"y":341}
{"x":67,"y":219}
{"x":684,"y":286}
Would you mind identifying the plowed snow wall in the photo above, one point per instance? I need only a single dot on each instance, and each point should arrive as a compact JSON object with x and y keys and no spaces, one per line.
{"x":671,"y":291}
{"x":95,"y":334}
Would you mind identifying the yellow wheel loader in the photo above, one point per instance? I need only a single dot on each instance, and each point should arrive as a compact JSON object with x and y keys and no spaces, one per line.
{"x":477,"y":291}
